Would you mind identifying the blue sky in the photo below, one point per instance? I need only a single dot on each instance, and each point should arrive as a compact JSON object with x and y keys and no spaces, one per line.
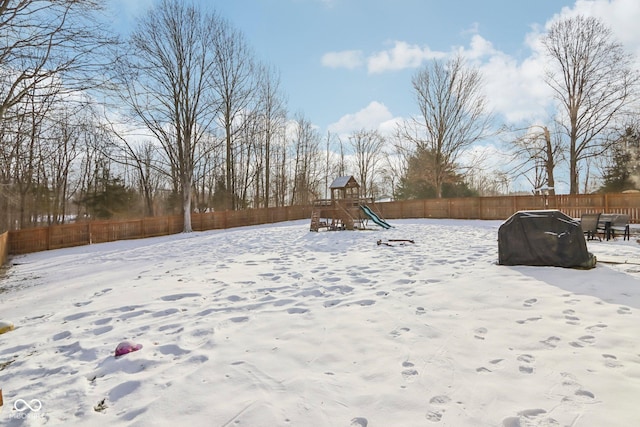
{"x":347,"y":64}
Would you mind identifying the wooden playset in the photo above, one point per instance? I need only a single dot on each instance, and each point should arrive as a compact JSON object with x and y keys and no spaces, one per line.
{"x":346,"y":210}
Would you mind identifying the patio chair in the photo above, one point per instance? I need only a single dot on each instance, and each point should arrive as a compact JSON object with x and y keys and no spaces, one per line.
{"x":589,"y":225}
{"x":620,"y":224}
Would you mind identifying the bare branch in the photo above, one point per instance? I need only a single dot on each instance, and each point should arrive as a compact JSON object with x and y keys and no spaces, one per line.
{"x":594,"y":83}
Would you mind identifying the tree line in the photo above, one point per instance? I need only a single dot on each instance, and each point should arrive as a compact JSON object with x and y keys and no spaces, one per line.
{"x":182,"y":116}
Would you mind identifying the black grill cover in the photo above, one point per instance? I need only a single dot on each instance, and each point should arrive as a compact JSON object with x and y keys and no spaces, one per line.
{"x":545,"y":237}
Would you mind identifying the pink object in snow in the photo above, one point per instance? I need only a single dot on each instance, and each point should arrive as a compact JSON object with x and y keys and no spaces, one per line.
{"x":127,"y":347}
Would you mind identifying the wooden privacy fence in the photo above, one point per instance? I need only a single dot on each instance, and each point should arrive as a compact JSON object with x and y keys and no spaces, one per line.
{"x":88,"y":232}
{"x":500,"y":208}
{"x":4,"y":247}
{"x":487,"y":208}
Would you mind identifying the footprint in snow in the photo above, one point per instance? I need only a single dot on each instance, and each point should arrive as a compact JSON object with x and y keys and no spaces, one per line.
{"x":529,"y":417}
{"x":494,"y":364}
{"x":530,"y":319}
{"x":359,"y":422}
{"x":611,"y":361}
{"x":437,"y":408}
{"x":527,"y":362}
{"x":409,"y":371}
{"x":624,"y":310}
{"x":551,"y":342}
{"x":480,"y":333}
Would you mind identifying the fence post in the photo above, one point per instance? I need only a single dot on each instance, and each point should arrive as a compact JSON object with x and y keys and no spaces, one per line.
{"x":4,"y":252}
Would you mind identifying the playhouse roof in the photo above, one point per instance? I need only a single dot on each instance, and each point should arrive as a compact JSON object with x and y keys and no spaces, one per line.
{"x":344,"y":181}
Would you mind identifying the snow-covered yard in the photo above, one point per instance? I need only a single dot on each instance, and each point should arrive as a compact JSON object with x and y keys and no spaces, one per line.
{"x":277,"y":326}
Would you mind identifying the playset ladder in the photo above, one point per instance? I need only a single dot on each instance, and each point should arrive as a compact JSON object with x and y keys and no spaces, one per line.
{"x":315,"y":220}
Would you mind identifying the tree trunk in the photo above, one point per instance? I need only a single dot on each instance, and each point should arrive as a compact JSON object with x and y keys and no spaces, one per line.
{"x":549,"y":162}
{"x":186,"y":204}
{"x":573,"y":168}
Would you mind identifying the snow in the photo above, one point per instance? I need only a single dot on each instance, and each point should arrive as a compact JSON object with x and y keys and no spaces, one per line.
{"x":278,"y":326}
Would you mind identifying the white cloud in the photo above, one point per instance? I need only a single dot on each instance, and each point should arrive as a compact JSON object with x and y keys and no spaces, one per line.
{"x":620,"y":15}
{"x":374,"y":116}
{"x":479,"y":47}
{"x":402,"y":55}
{"x":518,"y":91}
{"x":348,"y":59}
{"x":515,"y":88}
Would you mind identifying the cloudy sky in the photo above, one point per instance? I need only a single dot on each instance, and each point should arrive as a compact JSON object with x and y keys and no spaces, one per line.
{"x":347,"y":64}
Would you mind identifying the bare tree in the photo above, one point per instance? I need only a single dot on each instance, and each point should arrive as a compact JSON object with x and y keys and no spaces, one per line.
{"x":72,"y":124}
{"x":26,"y":140}
{"x":306,"y":174}
{"x":394,"y":168}
{"x":334,"y":163}
{"x":167,"y":84}
{"x":397,"y":159}
{"x":272,"y":111}
{"x":489,"y":182}
{"x":537,"y":151}
{"x":209,"y":173}
{"x":593,"y":80}
{"x":367,"y":146}
{"x":44,"y":40}
{"x":234,"y":82}
{"x":49,"y":50}
{"x":280,"y":181}
{"x":142,"y":156}
{"x":247,"y":160}
{"x":341,"y":163}
{"x":95,"y":164}
{"x":453,"y":115}
{"x":39,"y":146}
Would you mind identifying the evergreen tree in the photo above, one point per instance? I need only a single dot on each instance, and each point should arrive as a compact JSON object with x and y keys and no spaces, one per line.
{"x":109,"y":198}
{"x":623,"y":171}
{"x":418,"y":183}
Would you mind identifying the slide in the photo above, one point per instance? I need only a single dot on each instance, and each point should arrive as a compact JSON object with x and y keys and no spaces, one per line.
{"x":375,"y":218}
